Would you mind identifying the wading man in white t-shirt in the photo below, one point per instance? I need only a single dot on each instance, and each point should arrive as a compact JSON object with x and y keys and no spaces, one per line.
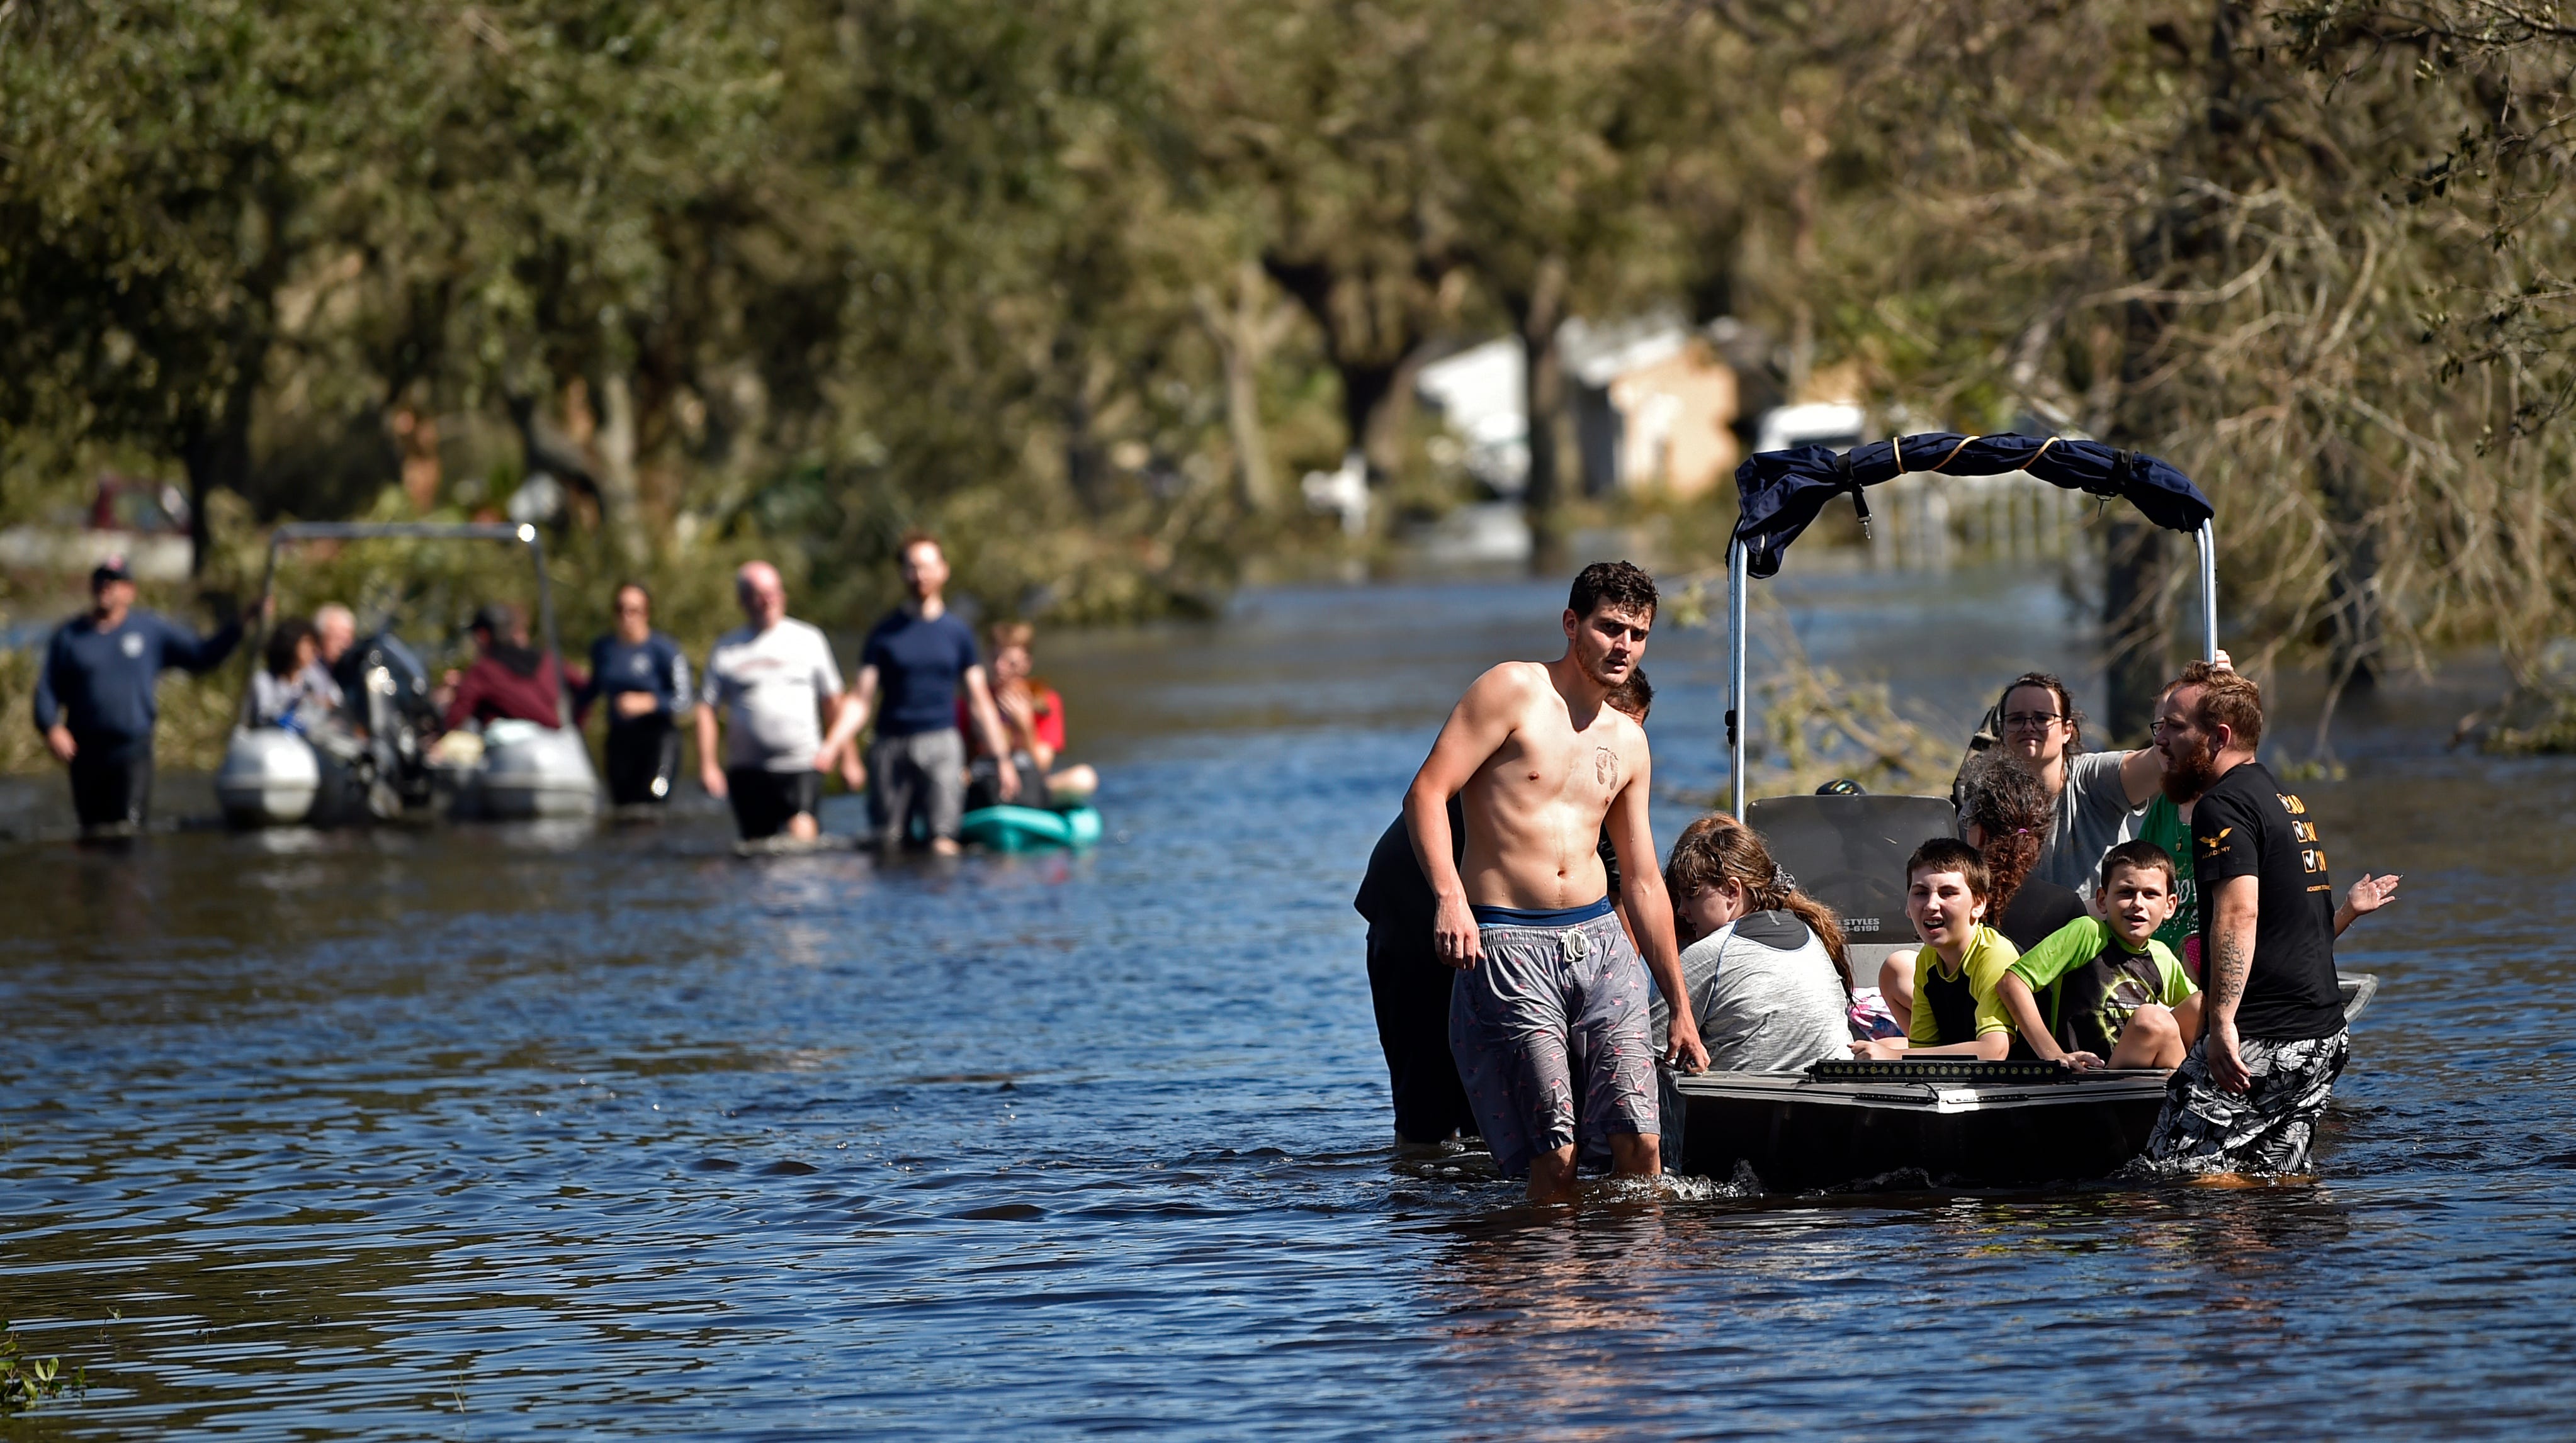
{"x":775,"y":685}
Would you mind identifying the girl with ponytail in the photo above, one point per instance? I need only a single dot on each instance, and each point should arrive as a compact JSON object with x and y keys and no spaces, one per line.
{"x":1768,"y":975}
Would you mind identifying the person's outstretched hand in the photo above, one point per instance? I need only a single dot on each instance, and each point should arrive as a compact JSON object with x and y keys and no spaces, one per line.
{"x":58,"y":740}
{"x":713,"y":779}
{"x":2371,"y":893}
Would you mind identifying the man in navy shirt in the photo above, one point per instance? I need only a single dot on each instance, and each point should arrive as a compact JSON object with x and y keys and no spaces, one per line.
{"x":645,"y":678}
{"x":920,"y":655}
{"x":95,"y":699}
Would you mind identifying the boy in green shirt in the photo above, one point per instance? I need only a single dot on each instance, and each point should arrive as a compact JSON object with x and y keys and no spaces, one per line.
{"x":2103,"y":991}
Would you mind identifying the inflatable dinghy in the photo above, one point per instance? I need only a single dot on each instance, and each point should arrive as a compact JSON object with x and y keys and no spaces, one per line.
{"x":1029,"y":829}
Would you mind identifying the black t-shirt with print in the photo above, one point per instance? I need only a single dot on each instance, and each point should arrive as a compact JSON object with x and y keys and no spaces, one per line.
{"x":2246,"y":826}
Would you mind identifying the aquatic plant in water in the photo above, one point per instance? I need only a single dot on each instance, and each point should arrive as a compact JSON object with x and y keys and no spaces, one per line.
{"x":25,"y":1382}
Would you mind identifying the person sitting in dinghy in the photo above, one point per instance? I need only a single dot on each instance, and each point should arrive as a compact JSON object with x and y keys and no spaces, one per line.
{"x":1032,"y":719}
{"x":1956,"y":1010}
{"x":1763,"y":962}
{"x":509,"y":678}
{"x":289,"y":691}
{"x":2103,"y":991}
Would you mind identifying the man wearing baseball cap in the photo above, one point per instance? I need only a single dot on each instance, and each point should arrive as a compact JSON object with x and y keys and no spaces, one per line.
{"x":95,"y":699}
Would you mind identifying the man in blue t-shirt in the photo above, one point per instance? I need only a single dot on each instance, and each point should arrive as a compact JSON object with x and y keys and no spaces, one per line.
{"x":95,"y":698}
{"x":920,"y":655}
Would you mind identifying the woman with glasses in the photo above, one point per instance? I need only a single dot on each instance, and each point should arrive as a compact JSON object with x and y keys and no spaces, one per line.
{"x":645,"y":678}
{"x":2096,"y":798}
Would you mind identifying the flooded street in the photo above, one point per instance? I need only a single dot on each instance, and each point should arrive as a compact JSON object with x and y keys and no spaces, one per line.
{"x":491,"y":1132}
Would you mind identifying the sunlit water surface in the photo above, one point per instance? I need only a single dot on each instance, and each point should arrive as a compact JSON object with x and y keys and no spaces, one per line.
{"x":483,"y":1133}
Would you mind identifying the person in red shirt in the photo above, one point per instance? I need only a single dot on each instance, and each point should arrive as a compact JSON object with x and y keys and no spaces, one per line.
{"x":509,"y":679}
{"x":1033,"y":719}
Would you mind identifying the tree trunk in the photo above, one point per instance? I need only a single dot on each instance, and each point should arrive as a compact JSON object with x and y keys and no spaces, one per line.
{"x":1542,"y":403}
{"x":2137,"y":571}
{"x":1375,"y":349}
{"x":2137,"y":624}
{"x":621,"y":497}
{"x":2138,"y":559}
{"x":2353,"y":581}
{"x":1368,"y":389}
{"x":216,"y":452}
{"x":1245,"y":332}
{"x":216,"y":456}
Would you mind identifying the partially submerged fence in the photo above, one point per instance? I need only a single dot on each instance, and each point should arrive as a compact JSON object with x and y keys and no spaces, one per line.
{"x":1923,"y":521}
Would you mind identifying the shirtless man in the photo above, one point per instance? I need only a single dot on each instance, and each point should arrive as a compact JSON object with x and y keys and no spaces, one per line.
{"x":1539,"y":762}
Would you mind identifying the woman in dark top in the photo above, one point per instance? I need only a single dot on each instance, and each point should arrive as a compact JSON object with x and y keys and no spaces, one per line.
{"x":645,"y":680}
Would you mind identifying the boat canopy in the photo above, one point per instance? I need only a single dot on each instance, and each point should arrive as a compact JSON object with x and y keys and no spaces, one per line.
{"x":1783,"y":491}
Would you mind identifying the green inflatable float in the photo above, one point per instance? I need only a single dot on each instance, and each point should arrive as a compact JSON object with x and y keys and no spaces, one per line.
{"x":1029,"y":829}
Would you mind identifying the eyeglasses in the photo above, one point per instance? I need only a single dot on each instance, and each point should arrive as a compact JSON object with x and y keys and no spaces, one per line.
{"x":2030,"y":721}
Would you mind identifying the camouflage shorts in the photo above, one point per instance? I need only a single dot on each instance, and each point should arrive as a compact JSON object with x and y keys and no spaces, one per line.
{"x":2266,"y":1129}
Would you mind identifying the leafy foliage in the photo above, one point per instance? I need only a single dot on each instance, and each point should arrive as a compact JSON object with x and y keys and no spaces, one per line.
{"x":1075,"y":282}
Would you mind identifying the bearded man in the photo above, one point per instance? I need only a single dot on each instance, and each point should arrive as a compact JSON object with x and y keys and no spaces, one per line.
{"x":1539,"y":760}
{"x":2248,"y":1096}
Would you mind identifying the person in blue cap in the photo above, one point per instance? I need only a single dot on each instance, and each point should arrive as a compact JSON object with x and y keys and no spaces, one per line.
{"x":95,"y":697}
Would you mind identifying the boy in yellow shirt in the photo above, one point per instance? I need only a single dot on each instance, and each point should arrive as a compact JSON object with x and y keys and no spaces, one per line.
{"x":1957,"y":1011}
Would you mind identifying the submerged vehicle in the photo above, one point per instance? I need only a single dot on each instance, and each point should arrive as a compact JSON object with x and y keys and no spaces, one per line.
{"x":1946,"y":1120}
{"x":382,"y":764}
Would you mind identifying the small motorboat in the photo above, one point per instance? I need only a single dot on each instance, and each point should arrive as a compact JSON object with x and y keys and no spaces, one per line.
{"x":1947,"y":1121}
{"x":1937,"y":1121}
{"x":383,"y":767}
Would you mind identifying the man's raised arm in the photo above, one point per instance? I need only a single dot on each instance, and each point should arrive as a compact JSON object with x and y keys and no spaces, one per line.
{"x":1477,"y":727}
{"x":1641,"y":886}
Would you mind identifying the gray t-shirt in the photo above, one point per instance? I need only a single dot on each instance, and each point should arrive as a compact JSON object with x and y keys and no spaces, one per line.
{"x":1766,"y":996}
{"x":2093,"y":816}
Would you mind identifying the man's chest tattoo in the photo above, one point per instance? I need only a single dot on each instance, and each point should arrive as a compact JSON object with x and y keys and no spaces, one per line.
{"x":1605,"y":767}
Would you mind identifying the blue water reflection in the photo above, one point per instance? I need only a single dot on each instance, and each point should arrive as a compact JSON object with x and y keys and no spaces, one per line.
{"x":493,"y":1134}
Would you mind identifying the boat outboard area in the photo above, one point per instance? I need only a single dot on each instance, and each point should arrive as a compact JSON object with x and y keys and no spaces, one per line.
{"x":379,"y":753}
{"x":1946,"y":1121}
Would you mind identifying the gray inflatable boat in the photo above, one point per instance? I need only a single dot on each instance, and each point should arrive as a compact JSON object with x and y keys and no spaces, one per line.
{"x":379,"y":765}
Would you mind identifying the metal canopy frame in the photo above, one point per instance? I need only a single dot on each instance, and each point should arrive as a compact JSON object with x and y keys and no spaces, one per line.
{"x":2204,"y":539}
{"x":521,"y":533}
